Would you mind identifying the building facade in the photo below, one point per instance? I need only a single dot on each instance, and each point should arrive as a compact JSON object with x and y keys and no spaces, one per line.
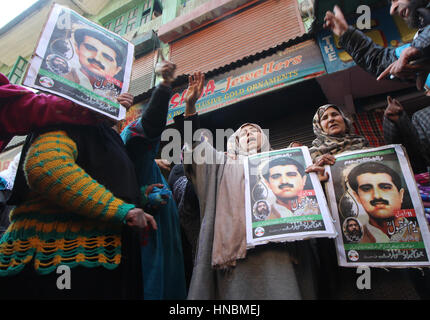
{"x":265,"y":61}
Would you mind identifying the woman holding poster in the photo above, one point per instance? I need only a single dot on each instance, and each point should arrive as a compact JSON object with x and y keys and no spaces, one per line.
{"x":283,"y":202}
{"x":334,"y":135}
{"x":81,"y":61}
{"x":73,"y":233}
{"x":224,"y":268}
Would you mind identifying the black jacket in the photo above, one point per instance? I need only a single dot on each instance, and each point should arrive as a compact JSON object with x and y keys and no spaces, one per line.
{"x":367,"y":54}
{"x":375,"y":59}
{"x":372,"y":57}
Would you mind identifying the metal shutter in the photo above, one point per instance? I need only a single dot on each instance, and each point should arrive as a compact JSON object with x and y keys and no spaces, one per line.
{"x":142,"y":74}
{"x":283,"y":133}
{"x":245,"y":33}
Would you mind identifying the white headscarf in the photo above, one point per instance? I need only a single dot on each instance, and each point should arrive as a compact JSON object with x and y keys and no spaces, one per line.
{"x":233,"y":146}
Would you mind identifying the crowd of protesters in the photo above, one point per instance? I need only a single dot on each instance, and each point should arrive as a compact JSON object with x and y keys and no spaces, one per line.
{"x":82,"y":195}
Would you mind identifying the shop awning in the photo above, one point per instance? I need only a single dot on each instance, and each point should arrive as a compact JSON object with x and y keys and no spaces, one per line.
{"x":182,"y":80}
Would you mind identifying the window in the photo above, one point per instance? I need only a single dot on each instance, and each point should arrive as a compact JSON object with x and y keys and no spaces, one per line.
{"x":132,"y":20}
{"x":118,"y":25}
{"x":135,"y":17}
{"x":17,"y":72}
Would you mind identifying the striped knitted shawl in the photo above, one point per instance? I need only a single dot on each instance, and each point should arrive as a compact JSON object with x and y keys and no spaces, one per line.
{"x":67,"y":215}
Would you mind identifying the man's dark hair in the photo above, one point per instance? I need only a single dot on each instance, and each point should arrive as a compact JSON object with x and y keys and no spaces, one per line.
{"x":418,"y":17}
{"x":281,"y":161}
{"x":106,"y":40}
{"x":372,"y":167}
{"x":348,"y":220}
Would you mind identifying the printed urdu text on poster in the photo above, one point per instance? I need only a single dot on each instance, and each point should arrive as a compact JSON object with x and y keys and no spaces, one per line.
{"x":286,"y":67}
{"x":81,"y":61}
{"x":283,"y":203}
{"x":378,"y":212}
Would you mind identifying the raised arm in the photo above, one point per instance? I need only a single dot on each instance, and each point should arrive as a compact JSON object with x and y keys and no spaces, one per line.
{"x":368,"y":55}
{"x":399,"y":129}
{"x":194,"y":91}
{"x":155,"y":115}
{"x":200,"y":158}
{"x":413,"y":62}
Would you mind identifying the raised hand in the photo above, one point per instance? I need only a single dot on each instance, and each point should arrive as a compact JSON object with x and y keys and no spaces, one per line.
{"x":401,"y":68}
{"x":167,"y":71}
{"x":335,"y":21}
{"x":194,"y":91}
{"x":394,"y":109}
{"x":407,"y":67}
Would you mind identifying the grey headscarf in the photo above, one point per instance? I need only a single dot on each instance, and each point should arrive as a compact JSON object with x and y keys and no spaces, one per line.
{"x":325,"y":143}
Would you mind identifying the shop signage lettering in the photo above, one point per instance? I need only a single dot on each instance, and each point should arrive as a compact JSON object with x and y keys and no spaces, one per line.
{"x":285,"y":67}
{"x":267,"y":68}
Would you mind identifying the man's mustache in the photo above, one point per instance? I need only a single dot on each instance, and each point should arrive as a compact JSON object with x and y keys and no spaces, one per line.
{"x":94,"y":61}
{"x":375,"y":202}
{"x":286,"y":185}
{"x":355,"y":232}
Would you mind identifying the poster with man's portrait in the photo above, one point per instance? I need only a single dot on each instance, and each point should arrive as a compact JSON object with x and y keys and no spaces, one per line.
{"x":81,"y":61}
{"x":283,"y":202}
{"x":378,"y":210}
